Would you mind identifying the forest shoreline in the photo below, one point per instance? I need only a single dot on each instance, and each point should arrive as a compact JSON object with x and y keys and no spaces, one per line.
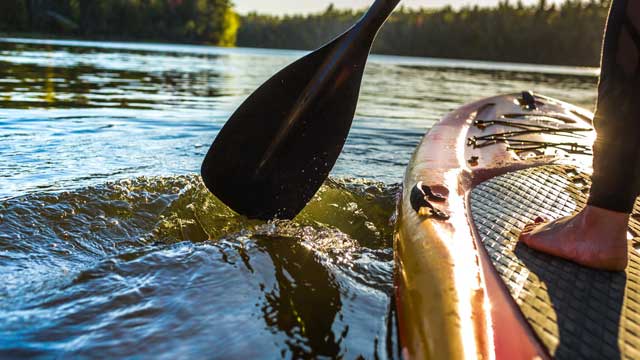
{"x":569,"y":34}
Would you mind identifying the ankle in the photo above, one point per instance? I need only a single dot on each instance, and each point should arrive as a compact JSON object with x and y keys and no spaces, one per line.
{"x":600,"y":219}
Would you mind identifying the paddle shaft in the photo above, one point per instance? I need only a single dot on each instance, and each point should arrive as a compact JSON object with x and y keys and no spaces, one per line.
{"x":368,"y":27}
{"x":377,"y":15}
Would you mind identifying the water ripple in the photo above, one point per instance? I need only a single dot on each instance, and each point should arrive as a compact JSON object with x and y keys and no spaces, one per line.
{"x":110,"y":245}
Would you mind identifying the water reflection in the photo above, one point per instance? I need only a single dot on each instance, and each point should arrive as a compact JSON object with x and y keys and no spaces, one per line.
{"x":158,"y":266}
{"x":304,"y":302}
{"x":27,"y":86}
{"x":170,"y":100}
{"x":110,"y":245}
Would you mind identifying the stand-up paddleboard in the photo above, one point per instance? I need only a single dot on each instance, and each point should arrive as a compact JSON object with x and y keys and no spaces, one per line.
{"x":465,"y":288}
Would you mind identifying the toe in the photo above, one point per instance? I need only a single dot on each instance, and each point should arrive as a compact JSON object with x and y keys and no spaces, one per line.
{"x":524,"y":237}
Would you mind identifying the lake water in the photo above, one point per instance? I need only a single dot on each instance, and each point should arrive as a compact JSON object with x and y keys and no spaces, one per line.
{"x":110,"y":245}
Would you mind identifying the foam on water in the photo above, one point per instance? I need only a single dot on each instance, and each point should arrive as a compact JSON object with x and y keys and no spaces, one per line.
{"x":159,"y":266}
{"x":110,"y":246}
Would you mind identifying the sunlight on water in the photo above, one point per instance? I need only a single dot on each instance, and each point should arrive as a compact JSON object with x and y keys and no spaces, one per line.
{"x":111,"y":245}
{"x":161,"y":262}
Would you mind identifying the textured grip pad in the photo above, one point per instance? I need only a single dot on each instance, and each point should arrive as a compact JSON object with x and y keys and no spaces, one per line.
{"x":577,"y":312}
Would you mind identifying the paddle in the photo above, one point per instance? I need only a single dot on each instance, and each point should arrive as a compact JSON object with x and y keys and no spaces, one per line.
{"x":277,"y":149}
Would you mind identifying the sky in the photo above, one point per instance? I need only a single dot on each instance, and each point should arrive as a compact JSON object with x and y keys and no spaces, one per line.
{"x":279,"y":7}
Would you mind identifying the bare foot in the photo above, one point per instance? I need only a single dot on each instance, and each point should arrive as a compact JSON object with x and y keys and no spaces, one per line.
{"x":595,"y":237}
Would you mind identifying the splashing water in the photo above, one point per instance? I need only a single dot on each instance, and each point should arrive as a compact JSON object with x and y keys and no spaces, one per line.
{"x":111,"y":247}
{"x":158,"y":265}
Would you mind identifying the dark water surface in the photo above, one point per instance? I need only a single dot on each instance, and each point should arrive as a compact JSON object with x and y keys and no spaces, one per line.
{"x":111,"y":247}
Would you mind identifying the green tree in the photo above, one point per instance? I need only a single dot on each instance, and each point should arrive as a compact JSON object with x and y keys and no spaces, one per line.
{"x":13,"y":15}
{"x":568,"y":34}
{"x":198,"y":21}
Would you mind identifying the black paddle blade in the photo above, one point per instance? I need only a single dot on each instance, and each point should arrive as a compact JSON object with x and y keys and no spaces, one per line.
{"x":279,"y":146}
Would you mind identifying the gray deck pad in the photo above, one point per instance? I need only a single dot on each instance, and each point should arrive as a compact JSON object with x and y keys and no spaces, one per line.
{"x":577,"y":312}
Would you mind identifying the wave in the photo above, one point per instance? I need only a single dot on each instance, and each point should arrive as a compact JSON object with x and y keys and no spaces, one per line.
{"x":157,"y":265}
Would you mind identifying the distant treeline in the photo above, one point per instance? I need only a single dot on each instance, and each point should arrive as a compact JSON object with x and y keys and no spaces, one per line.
{"x":569,"y":34}
{"x":194,"y":21}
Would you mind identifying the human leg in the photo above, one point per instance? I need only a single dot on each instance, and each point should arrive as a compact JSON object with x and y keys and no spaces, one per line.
{"x":596,"y":236}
